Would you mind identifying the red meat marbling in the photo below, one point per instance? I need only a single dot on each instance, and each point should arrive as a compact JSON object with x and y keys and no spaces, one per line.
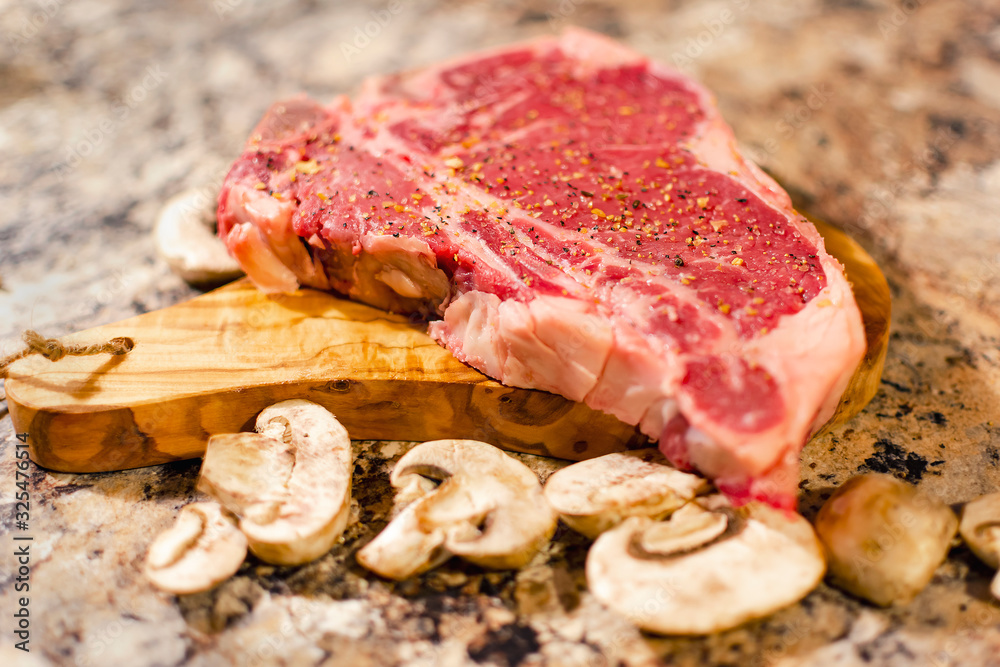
{"x":580,"y":220}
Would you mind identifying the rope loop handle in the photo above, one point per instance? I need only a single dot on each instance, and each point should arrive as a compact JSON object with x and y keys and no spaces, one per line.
{"x":53,"y":350}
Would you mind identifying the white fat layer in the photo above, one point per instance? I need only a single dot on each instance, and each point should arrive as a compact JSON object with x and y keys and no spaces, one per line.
{"x":596,"y":350}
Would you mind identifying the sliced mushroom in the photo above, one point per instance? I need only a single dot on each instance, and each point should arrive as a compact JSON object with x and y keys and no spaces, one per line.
{"x":488,"y":509}
{"x":595,"y":495}
{"x":405,"y":548}
{"x":980,"y":528}
{"x":708,"y":568}
{"x":290,"y":483}
{"x":201,"y":550}
{"x":185,"y":238}
{"x":883,"y":538}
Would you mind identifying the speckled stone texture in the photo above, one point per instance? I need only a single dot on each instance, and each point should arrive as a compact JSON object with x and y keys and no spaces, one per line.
{"x":881,"y":117}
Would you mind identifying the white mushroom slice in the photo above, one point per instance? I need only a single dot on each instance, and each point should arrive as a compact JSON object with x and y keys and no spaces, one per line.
{"x":185,"y":238}
{"x":980,"y":528}
{"x":489,"y":510}
{"x":290,"y":483}
{"x":595,"y":495}
{"x":883,"y":538}
{"x":763,"y":559}
{"x":201,"y":550}
{"x":403,"y":549}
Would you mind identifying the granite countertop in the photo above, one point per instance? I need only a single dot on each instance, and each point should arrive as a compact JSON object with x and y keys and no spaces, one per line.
{"x":881,"y":117}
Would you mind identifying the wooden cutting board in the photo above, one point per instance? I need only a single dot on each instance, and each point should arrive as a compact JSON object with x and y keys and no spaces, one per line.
{"x":211,"y":364}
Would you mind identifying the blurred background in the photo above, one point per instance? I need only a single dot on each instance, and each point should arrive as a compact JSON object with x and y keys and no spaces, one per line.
{"x":879,"y":116}
{"x":883,"y":117}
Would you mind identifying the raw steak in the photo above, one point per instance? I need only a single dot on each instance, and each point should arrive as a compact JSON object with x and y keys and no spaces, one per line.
{"x":581,"y":222}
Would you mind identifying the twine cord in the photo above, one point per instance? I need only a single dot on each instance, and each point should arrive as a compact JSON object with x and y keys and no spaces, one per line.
{"x":53,"y":350}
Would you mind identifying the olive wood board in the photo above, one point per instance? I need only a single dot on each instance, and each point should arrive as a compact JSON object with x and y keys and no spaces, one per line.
{"x":209,"y":365}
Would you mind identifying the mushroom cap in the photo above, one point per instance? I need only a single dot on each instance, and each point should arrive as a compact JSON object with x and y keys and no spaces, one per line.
{"x":883,"y":539}
{"x":980,"y":528}
{"x":442,"y":459}
{"x":185,"y":238}
{"x":489,"y":509}
{"x":290,"y":483}
{"x":595,"y":495}
{"x":201,"y":550}
{"x":766,"y":559}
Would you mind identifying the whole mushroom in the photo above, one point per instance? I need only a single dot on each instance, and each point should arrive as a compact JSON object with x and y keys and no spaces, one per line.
{"x":185,"y":238}
{"x":980,"y":529}
{"x":488,"y":509}
{"x":883,"y":538}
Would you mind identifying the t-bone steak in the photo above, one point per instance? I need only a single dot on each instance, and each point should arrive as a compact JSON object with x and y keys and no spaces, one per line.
{"x":575,"y":218}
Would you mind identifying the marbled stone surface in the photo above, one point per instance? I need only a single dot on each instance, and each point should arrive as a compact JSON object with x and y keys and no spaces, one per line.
{"x":881,"y":117}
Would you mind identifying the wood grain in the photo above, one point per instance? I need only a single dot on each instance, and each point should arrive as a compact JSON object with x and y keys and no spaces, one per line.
{"x":211,"y":364}
{"x":871,"y":290}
